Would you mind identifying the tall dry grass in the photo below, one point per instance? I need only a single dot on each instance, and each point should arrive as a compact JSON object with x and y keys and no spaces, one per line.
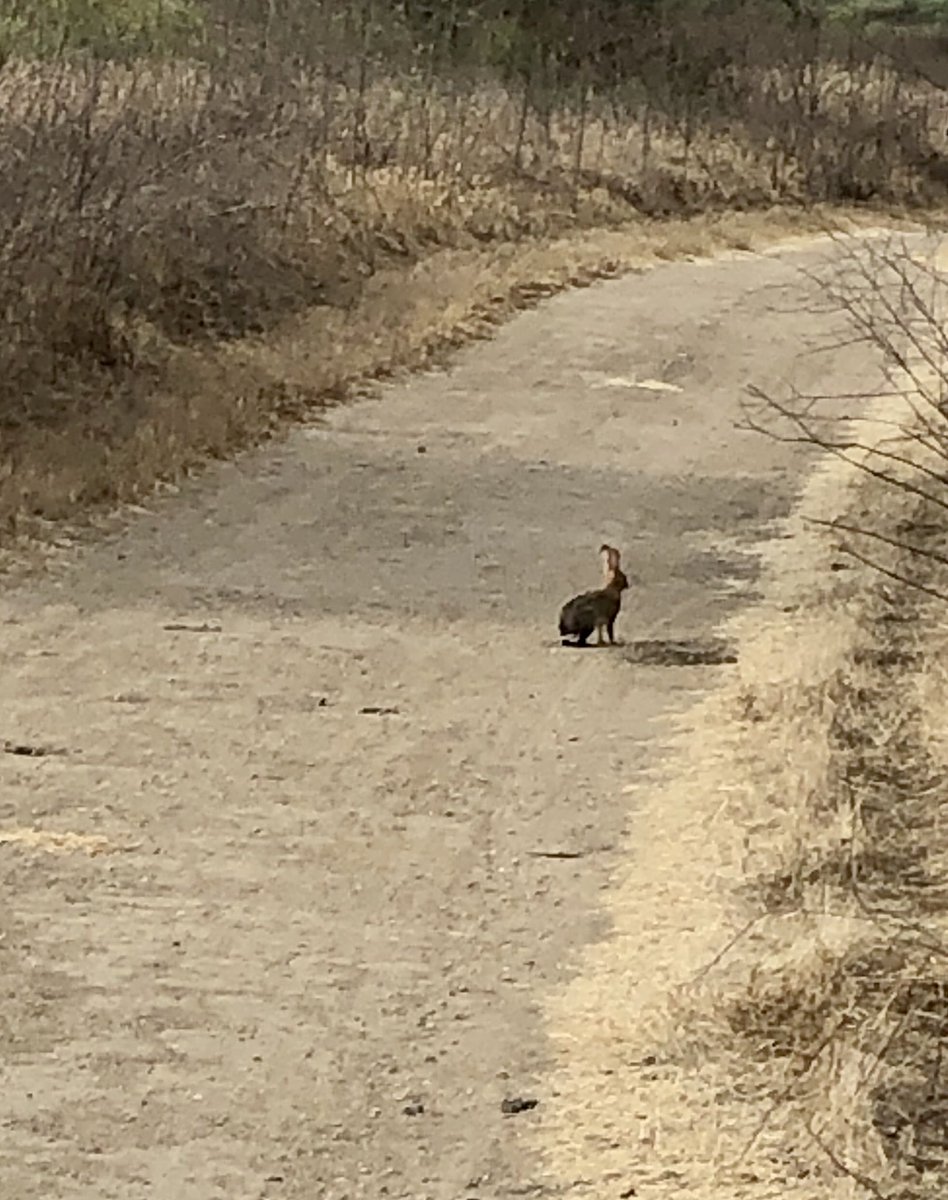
{"x":151,"y":214}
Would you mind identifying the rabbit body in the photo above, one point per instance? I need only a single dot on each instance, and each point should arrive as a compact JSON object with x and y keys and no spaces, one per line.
{"x":596,"y":611}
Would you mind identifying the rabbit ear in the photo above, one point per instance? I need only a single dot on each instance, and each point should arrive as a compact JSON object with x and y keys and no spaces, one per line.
{"x":610,"y":557}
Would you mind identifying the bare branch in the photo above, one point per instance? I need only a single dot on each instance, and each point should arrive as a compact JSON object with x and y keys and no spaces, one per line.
{"x":896,"y":543}
{"x":894,"y":575}
{"x":809,"y":436}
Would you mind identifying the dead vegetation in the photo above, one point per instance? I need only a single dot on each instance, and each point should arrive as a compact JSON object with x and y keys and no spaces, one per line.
{"x":840,"y":1028}
{"x":860,"y":1017}
{"x":162,"y":222}
{"x":843,"y":1021}
{"x":842,"y":1025}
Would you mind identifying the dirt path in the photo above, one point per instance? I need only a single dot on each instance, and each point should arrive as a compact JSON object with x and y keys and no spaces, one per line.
{"x":300,"y":948}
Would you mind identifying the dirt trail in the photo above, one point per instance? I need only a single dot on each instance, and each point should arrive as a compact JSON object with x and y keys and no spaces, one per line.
{"x":300,"y":949}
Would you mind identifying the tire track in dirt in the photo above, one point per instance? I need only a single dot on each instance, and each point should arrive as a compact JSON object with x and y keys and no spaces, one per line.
{"x":316,"y":726}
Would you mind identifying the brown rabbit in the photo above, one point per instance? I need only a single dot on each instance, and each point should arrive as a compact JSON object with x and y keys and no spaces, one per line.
{"x":596,"y":610}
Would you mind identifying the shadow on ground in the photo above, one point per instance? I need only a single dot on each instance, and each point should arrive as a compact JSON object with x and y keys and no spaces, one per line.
{"x":680,"y":652}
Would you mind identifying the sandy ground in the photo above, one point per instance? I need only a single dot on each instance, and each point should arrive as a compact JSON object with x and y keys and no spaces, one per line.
{"x":326,"y":810}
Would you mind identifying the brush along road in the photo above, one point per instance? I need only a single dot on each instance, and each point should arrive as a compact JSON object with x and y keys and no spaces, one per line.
{"x":304,"y":809}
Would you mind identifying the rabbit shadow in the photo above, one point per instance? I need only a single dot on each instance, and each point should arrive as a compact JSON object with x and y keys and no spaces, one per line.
{"x":679,"y":652}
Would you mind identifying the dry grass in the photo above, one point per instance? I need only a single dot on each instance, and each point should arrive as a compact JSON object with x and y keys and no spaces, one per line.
{"x":171,"y":236}
{"x":50,"y":842}
{"x":771,"y":1016}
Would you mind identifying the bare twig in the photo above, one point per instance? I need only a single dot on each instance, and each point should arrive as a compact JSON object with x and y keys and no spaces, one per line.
{"x":862,"y":1179}
{"x":935,"y":593}
{"x":896,"y":543}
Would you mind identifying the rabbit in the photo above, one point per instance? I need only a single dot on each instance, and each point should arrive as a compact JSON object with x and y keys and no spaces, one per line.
{"x":596,"y":610}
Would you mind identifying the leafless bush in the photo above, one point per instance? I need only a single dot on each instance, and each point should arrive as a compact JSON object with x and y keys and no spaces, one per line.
{"x":891,"y":295}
